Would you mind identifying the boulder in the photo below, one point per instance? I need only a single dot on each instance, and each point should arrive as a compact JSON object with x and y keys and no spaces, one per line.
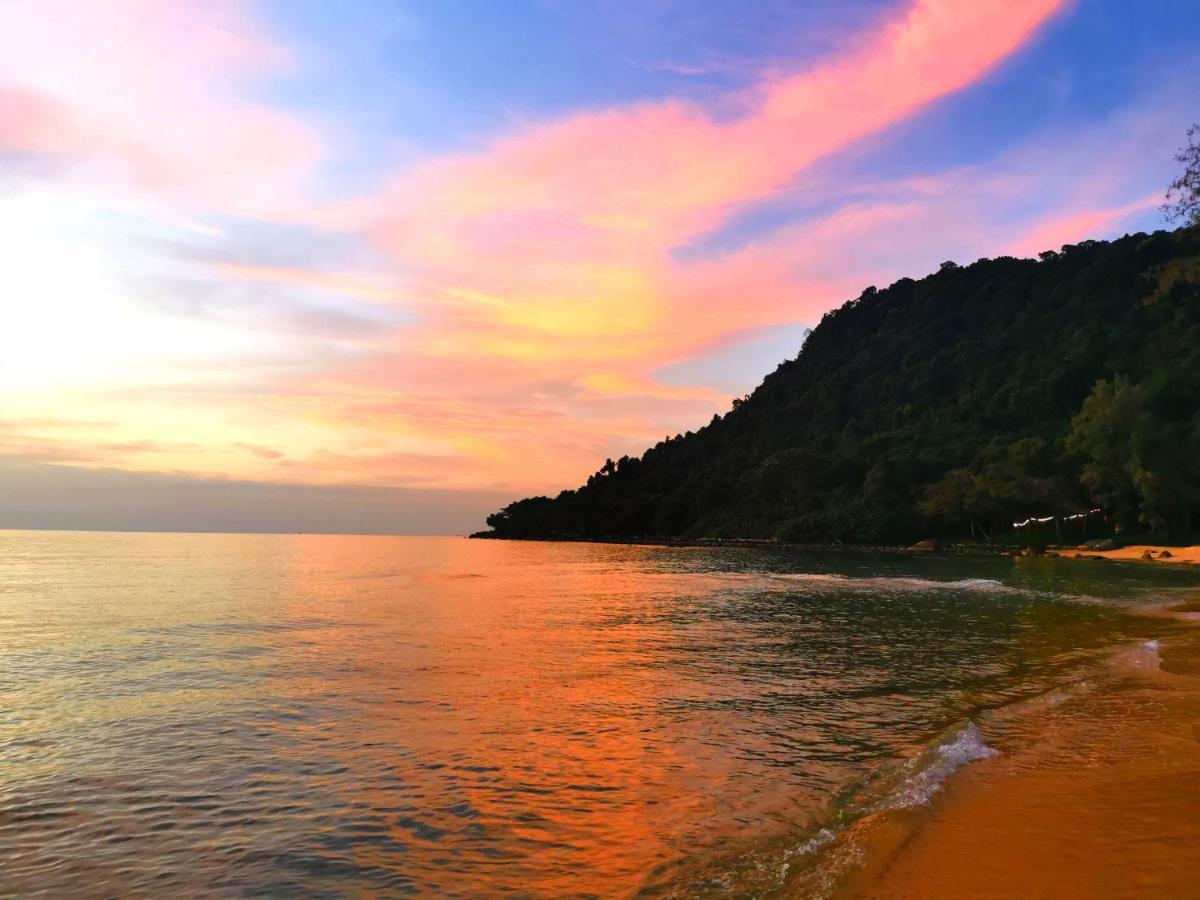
{"x":1149,"y":554}
{"x":927,"y":544}
{"x":1166,"y":554}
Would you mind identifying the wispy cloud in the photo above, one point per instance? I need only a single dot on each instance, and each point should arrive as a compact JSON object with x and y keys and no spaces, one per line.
{"x":503,"y":315}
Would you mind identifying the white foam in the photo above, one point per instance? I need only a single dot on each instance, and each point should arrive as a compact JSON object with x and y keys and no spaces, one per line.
{"x":1142,"y":658}
{"x":987,"y":585}
{"x":818,"y":577}
{"x":912,"y":784}
{"x":813,"y":844}
{"x":933,"y":768}
{"x":979,"y":584}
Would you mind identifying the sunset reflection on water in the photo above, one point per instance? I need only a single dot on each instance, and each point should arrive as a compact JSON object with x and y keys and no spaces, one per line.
{"x":230,"y":713}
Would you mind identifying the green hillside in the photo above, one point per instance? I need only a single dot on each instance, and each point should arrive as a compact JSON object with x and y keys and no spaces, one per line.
{"x":954,"y":404}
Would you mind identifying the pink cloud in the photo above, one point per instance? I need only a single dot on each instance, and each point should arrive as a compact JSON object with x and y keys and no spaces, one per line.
{"x":542,"y":267}
{"x":1058,"y":229}
{"x":545,"y":258}
{"x":553,"y":244}
{"x":152,"y":94}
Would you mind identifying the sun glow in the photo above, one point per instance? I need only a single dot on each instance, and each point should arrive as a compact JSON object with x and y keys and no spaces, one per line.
{"x":227,"y":271}
{"x":64,"y":321}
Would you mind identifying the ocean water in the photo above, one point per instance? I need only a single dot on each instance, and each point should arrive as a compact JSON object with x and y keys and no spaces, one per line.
{"x":268,"y":714}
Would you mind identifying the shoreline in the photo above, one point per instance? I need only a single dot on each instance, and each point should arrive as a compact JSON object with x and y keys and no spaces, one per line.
{"x":1093,"y":790}
{"x":1159,"y":553}
{"x":1097,"y":797}
{"x":948,"y":549}
{"x":1138,"y":553}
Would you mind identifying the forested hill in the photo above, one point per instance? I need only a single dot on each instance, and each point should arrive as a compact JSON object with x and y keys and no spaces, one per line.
{"x":948,"y":405}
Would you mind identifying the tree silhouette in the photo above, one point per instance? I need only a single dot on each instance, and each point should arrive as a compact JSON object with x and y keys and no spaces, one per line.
{"x":942,"y":406}
{"x":1183,"y":196}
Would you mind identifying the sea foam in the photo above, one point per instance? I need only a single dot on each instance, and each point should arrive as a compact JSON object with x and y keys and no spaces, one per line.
{"x":932,"y":768}
{"x":898,"y":583}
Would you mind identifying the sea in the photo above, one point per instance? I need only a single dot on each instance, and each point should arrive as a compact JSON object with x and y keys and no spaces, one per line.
{"x":233,"y":715}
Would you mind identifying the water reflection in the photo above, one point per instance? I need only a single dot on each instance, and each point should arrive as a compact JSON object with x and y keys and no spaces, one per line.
{"x":272,"y":713}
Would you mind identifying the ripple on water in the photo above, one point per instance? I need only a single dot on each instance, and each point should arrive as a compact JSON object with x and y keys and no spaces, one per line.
{"x":190,"y":714}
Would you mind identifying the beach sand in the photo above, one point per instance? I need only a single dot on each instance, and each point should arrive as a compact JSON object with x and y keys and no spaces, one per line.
{"x":1100,"y":797}
{"x":1138,"y":552}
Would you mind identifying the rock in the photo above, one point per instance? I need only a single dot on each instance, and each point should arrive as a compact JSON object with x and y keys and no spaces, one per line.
{"x":927,"y":544}
{"x":1166,"y":554}
{"x":1149,"y":554}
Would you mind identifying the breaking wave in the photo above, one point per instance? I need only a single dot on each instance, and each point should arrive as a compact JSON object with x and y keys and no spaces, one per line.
{"x":925,"y":775}
{"x":814,"y":865}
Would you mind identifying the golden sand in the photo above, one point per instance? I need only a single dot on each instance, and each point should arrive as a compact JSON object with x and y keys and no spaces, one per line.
{"x":1101,"y":798}
{"x":1175,"y":555}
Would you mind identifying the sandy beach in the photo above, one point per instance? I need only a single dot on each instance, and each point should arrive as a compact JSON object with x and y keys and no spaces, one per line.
{"x":1137,"y":553}
{"x":1101,"y":798}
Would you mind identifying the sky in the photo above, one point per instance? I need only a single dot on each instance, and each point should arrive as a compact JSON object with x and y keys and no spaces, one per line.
{"x":299,"y":265}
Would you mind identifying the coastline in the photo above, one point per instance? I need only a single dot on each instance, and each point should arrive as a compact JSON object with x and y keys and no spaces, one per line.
{"x":1097,"y":797}
{"x":1159,"y":553}
{"x":1093,"y":789}
{"x":765,"y":544}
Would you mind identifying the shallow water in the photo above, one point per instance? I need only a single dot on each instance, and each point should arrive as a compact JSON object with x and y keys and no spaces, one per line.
{"x":1094,"y":794}
{"x":231,"y":714}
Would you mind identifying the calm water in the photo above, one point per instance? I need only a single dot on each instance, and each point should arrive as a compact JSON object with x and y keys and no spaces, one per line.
{"x":232,"y":714}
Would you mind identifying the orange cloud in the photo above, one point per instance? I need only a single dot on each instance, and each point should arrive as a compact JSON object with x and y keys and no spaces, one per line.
{"x":543,"y":269}
{"x":543,"y":265}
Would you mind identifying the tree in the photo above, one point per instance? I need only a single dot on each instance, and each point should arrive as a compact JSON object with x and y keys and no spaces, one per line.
{"x":1006,"y":481}
{"x":1183,"y":196}
{"x":1139,"y":465}
{"x":1102,"y":433}
{"x":957,"y":498}
{"x":975,"y":371}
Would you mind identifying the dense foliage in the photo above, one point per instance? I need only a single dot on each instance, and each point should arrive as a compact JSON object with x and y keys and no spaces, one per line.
{"x":956,"y":404}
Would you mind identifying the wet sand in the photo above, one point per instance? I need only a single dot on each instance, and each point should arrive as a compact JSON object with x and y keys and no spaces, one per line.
{"x":1099,"y":797}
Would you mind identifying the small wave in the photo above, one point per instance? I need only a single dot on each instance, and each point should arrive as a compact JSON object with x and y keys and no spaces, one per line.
{"x":813,"y":866}
{"x":1034,"y":705}
{"x":915,"y":781}
{"x":818,"y":577}
{"x":1140,"y":658}
{"x":986,"y":585}
{"x":932,"y":768}
{"x":980,"y":584}
{"x":814,"y":843}
{"x":839,"y":847}
{"x":804,"y":848}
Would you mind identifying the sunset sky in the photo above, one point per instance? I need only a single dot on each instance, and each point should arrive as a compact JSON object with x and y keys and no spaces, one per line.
{"x":384,"y":266}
